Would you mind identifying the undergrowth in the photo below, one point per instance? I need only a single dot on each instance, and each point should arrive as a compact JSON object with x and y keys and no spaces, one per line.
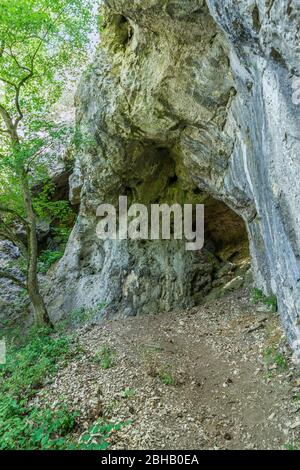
{"x":274,"y":357}
{"x":47,"y":258}
{"x":24,"y":426}
{"x":105,"y":357}
{"x":270,"y":301}
{"x":80,"y":316}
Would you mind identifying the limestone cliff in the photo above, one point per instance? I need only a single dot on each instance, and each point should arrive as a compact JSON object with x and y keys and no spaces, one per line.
{"x":188,"y":101}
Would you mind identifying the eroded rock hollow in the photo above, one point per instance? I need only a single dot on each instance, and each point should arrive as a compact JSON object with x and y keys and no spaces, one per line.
{"x":189,"y":102}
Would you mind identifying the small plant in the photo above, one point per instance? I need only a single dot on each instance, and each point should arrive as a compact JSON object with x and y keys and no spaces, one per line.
{"x":98,"y":436}
{"x":79,"y":316}
{"x":259,"y":297}
{"x":166,"y":377}
{"x":273,"y":356}
{"x":128,"y":392}
{"x":280,"y":360}
{"x":105,"y":357}
{"x":290,"y":446}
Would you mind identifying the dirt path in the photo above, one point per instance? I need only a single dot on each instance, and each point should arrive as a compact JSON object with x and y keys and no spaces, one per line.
{"x":215,"y":377}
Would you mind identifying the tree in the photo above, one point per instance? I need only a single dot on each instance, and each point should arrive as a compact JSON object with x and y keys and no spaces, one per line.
{"x":40,"y":41}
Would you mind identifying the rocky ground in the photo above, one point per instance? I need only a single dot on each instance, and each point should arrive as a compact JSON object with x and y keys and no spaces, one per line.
{"x":215,"y":377}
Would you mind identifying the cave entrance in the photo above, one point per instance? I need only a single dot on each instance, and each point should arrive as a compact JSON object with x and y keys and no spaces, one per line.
{"x":226,"y":239}
{"x":180,"y":278}
{"x":226,"y":232}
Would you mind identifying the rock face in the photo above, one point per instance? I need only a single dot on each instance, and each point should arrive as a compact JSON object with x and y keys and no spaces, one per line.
{"x":189,"y":102}
{"x":264,"y":121}
{"x":13,"y":302}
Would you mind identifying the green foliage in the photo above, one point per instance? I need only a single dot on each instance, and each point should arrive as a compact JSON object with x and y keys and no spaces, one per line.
{"x":38,"y":38}
{"x":29,"y":428}
{"x":40,"y":42}
{"x":259,"y":297}
{"x":166,"y":377}
{"x":79,"y":316}
{"x":101,"y":23}
{"x":105,"y":357}
{"x":97,"y":437}
{"x":23,"y":426}
{"x":62,"y":234}
{"x":128,"y":392}
{"x":291,"y":446}
{"x":26,"y":367}
{"x":275,"y":357}
{"x":47,"y":258}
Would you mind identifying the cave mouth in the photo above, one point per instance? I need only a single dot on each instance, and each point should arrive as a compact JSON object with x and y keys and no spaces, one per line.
{"x":226,"y":239}
{"x":165,"y":276}
{"x":226,"y":232}
{"x":162,"y":275}
{"x":144,"y":276}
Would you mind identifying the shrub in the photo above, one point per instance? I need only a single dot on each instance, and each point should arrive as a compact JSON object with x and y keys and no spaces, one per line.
{"x":128,"y":392}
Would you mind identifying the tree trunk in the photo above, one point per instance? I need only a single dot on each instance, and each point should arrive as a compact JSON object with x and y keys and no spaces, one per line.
{"x":41,"y":316}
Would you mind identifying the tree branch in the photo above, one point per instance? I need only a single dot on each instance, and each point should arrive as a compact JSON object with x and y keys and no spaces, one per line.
{"x":8,"y":82}
{"x":12,"y":55}
{"x":7,"y":119}
{"x":12,"y":278}
{"x":17,"y":97}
